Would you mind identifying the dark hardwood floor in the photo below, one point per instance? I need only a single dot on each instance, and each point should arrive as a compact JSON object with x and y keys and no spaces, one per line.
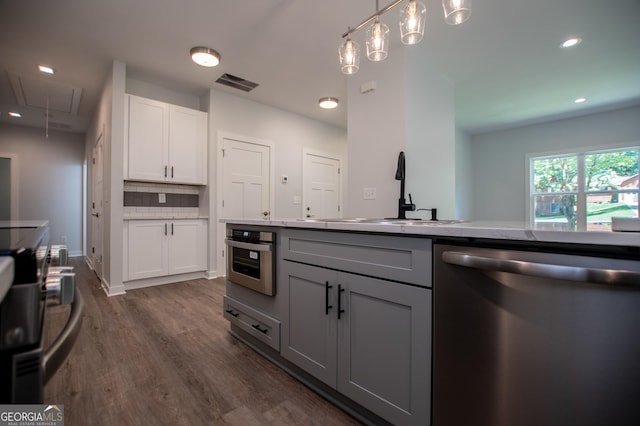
{"x":163,"y":356}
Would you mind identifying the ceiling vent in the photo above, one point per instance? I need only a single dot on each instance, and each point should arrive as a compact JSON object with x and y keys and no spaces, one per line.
{"x":236,"y":82}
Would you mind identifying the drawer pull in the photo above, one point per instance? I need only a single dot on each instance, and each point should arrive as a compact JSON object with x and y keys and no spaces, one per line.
{"x":233,"y":314}
{"x":257,"y":327}
{"x":340,"y":291}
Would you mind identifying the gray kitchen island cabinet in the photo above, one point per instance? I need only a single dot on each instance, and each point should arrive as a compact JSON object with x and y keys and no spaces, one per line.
{"x":366,"y":336}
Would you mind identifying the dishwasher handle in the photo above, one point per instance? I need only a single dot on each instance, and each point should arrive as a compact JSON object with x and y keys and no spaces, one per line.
{"x":248,"y":246}
{"x":544,"y":270}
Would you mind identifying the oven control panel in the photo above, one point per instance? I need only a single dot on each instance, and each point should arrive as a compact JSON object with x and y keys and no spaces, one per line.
{"x":249,"y":236}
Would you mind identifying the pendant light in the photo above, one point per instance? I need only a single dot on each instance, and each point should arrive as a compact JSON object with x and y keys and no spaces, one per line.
{"x":456,"y":11}
{"x":412,"y":23}
{"x":412,"y":20}
{"x":377,"y":41}
{"x":349,"y":56}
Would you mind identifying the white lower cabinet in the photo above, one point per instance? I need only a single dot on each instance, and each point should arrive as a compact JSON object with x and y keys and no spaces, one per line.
{"x":157,"y":248}
{"x":368,"y":338}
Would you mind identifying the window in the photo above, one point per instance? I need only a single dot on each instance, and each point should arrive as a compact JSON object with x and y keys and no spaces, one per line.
{"x":583,"y":190}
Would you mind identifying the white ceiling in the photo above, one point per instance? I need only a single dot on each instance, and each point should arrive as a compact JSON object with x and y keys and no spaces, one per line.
{"x":505,"y":61}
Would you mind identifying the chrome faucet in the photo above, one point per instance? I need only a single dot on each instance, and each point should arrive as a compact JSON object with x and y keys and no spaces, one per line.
{"x":403,"y":206}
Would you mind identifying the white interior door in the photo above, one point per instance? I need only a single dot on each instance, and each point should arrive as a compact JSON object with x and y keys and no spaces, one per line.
{"x":96,"y":208}
{"x":246,"y":184}
{"x":321,"y":185}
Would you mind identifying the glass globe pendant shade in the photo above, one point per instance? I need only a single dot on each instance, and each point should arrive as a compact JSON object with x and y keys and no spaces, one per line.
{"x":412,"y":21}
{"x":456,"y":11}
{"x":349,"y":57}
{"x":377,"y":41}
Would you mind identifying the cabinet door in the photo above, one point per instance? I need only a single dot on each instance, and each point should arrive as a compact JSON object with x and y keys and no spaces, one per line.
{"x":384,"y":348}
{"x":187,"y":145}
{"x":147,"y":247}
{"x":148,"y":136}
{"x":308,"y":335}
{"x":186,"y":246}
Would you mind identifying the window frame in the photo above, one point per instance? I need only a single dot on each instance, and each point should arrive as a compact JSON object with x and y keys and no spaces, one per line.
{"x":581,"y":193}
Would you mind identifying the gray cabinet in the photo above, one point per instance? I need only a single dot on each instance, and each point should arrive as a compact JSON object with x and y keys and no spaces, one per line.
{"x":258,"y":324}
{"x":367,"y":337}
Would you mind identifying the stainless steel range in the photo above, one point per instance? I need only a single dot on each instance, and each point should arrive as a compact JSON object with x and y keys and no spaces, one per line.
{"x":32,"y":276}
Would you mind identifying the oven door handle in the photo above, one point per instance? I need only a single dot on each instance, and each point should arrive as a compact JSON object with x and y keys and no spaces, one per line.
{"x":56,"y":354}
{"x":249,"y":246}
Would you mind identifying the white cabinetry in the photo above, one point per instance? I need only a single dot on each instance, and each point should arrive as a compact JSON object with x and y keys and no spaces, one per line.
{"x":156,"y":248}
{"x":164,"y":142}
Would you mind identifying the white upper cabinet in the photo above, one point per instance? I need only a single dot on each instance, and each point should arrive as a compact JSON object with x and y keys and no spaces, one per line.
{"x":164,"y":142}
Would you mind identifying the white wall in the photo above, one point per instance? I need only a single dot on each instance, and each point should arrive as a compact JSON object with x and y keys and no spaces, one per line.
{"x":411,"y":110}
{"x":289,"y":133}
{"x":376,"y":136}
{"x":430,"y":130}
{"x":108,"y":120}
{"x":499,"y":181}
{"x":463,"y":176}
{"x":159,"y":93}
{"x":49,"y":179}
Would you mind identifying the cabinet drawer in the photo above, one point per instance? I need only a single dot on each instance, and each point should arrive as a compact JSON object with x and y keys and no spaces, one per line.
{"x":403,"y":259}
{"x":254,"y":322}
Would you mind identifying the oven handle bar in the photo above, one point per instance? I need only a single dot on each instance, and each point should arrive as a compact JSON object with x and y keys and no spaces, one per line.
{"x":545,"y":270}
{"x":56,"y":354}
{"x":249,"y":246}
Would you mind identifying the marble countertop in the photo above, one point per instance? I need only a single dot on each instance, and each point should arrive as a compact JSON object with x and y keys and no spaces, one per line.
{"x":474,"y":229}
{"x":23,"y":223}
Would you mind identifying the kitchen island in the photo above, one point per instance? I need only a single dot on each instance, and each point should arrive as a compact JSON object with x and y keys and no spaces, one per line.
{"x":356,"y":315}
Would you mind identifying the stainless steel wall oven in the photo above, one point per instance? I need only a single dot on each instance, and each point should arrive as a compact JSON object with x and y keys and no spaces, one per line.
{"x":251,"y":259}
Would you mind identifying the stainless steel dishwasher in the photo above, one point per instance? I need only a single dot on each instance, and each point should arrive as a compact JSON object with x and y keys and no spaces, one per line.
{"x":533,"y":338}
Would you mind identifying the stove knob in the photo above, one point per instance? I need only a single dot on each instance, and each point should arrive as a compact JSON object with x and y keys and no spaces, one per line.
{"x":14,"y":337}
{"x":60,"y":288}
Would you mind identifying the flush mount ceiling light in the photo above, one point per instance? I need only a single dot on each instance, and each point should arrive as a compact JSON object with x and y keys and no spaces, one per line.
{"x":570,"y":42}
{"x":205,"y":56}
{"x":580,"y":100}
{"x":328,"y":102}
{"x":46,"y":69}
{"x":15,"y":114}
{"x":412,"y":23}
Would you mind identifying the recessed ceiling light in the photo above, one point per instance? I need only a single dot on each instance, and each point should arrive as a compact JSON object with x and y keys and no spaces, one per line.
{"x":14,"y":114}
{"x":205,"y":56}
{"x":573,"y":41}
{"x":328,"y":102}
{"x":580,"y":100}
{"x":46,"y":69}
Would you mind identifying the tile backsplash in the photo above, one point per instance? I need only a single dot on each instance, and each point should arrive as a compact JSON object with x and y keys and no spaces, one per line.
{"x":145,"y":199}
